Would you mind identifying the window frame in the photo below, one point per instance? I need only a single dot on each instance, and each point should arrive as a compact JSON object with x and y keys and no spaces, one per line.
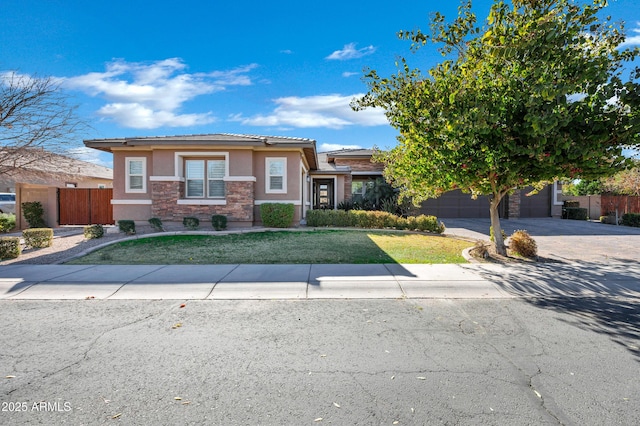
{"x":128,"y":175}
{"x":268,"y":175}
{"x":205,"y":178}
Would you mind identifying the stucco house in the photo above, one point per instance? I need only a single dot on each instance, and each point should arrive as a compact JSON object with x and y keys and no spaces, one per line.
{"x":171,"y":177}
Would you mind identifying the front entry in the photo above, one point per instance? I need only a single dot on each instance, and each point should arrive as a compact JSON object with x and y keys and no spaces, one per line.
{"x":323,"y":194}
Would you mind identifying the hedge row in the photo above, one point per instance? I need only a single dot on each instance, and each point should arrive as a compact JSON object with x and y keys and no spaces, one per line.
{"x":373,"y":219}
{"x":576,"y":213}
{"x":631,"y":219}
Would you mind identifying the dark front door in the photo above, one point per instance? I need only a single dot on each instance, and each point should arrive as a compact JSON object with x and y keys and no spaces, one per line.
{"x":323,"y":190}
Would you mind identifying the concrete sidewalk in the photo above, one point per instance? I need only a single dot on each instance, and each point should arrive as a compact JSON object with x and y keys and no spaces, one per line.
{"x":311,"y":281}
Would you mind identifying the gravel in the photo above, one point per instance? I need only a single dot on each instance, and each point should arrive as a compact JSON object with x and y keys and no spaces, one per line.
{"x":68,"y":242}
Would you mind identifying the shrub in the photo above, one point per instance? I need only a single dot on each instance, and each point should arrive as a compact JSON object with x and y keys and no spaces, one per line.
{"x":277,"y":215}
{"x":480,"y":249}
{"x":156,"y":224}
{"x":608,"y":219}
{"x":191,"y":223}
{"x":429,"y":224}
{"x":522,"y":244}
{"x":411,"y":223}
{"x":33,"y":213}
{"x":345,"y":205}
{"x":219,"y":222}
{"x":373,"y":219}
{"x":576,"y":213}
{"x":389,"y":205}
{"x":93,"y":231}
{"x":7,"y":222}
{"x":38,"y":237}
{"x":401,"y":223}
{"x":10,"y":247}
{"x":330,"y":218}
{"x":631,"y":219}
{"x":571,"y":203}
{"x":127,"y":226}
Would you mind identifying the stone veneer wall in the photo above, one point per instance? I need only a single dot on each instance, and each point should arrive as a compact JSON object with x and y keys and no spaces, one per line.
{"x":514,"y":204}
{"x":360,"y":165}
{"x":348,"y":181}
{"x":239,"y":208}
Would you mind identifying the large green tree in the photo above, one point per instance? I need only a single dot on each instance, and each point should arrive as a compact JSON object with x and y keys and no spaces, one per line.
{"x":538,"y":91}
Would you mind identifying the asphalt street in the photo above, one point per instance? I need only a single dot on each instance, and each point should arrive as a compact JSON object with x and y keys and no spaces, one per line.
{"x":524,"y":361}
{"x":553,"y":343}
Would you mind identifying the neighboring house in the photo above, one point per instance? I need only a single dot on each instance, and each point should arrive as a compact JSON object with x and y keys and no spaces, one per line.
{"x":38,"y":167}
{"x":172,"y":177}
{"x":36,"y":175}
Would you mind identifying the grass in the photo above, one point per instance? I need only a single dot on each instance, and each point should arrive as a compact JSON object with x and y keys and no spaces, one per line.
{"x":324,"y":246}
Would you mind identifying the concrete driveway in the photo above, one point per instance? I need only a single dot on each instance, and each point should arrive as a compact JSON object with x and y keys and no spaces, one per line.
{"x":564,"y":240}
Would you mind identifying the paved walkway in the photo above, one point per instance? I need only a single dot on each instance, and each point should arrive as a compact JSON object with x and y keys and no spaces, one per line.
{"x":597,"y":260}
{"x":380,"y":281}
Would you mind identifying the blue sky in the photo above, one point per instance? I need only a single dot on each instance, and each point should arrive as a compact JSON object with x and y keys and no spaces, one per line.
{"x":287,"y":68}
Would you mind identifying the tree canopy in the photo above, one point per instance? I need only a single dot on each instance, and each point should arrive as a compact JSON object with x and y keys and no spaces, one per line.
{"x":624,"y":182}
{"x":538,"y":91}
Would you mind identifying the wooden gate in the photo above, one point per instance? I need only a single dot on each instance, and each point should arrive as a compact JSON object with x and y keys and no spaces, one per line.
{"x":85,"y":206}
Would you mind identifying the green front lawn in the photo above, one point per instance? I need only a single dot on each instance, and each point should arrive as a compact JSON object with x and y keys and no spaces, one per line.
{"x":324,"y":246}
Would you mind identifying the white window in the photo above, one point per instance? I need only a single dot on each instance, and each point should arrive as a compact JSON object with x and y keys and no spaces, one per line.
{"x":136,"y":174}
{"x":200,"y":181}
{"x":276,"y":175}
{"x":215,"y":176}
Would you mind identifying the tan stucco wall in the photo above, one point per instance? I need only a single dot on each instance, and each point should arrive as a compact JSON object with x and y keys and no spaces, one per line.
{"x":47,"y":196}
{"x":163,"y":163}
{"x":120,"y":173}
{"x":139,"y":213}
{"x":293,"y":175}
{"x":242,"y":162}
{"x":590,"y":202}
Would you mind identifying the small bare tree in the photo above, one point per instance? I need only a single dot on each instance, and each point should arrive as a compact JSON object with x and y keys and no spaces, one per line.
{"x":36,"y":121}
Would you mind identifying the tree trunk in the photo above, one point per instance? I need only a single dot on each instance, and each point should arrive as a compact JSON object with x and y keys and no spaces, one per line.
{"x":501,"y":249}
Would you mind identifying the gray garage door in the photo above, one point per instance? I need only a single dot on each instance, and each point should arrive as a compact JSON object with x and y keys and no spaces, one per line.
{"x":456,"y":204}
{"x":538,"y":205}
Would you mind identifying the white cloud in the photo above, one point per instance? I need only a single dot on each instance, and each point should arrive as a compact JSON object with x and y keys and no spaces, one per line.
{"x":335,"y":147}
{"x":150,"y":95}
{"x":349,"y":51}
{"x":89,"y":155}
{"x":633,"y":40}
{"x":348,"y":74}
{"x":330,"y":111}
{"x":138,"y":116}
